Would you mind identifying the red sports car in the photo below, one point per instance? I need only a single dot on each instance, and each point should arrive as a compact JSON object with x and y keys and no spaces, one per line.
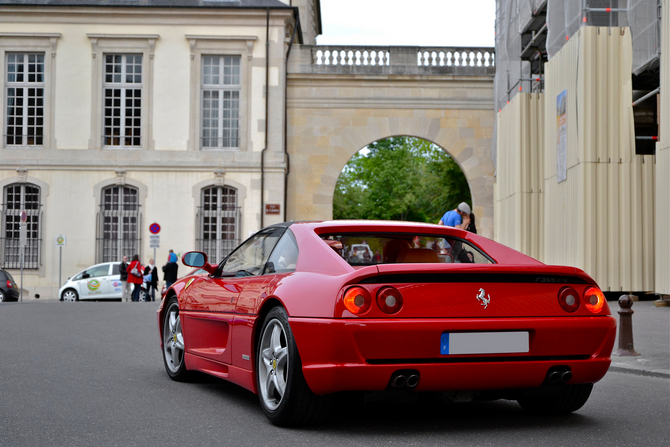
{"x":296,"y":314}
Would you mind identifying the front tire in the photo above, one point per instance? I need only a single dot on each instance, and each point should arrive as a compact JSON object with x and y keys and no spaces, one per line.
{"x":283,"y":393}
{"x":570,"y":398}
{"x":173,"y":342}
{"x":70,"y":295}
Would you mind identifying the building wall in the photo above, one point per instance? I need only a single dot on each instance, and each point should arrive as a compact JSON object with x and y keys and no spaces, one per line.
{"x":170,"y":163}
{"x":662,"y":203}
{"x":601,"y":218}
{"x":519,"y":202}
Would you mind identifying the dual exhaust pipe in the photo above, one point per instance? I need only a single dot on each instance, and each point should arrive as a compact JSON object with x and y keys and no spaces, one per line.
{"x":558,"y":375}
{"x":404,"y":379}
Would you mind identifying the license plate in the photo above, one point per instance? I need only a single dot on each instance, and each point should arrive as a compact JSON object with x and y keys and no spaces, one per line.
{"x":483,"y":343}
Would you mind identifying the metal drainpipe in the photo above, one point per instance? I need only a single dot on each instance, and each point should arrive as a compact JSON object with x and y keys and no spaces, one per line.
{"x":288,"y":160}
{"x":267,"y":95}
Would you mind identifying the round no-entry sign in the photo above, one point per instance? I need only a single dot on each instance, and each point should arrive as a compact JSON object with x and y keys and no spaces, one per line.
{"x":154,"y":228}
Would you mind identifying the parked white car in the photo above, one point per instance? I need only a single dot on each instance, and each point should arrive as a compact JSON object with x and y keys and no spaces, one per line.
{"x":98,"y":282}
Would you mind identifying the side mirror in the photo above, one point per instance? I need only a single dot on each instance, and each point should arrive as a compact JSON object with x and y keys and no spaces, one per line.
{"x":269,"y":268}
{"x":194,"y":259}
{"x":85,"y":275}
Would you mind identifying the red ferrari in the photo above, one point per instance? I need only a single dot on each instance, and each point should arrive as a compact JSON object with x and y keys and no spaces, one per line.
{"x":301,"y":311}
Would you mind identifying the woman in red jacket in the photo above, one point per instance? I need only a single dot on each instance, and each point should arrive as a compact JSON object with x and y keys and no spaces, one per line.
{"x":135,"y":276}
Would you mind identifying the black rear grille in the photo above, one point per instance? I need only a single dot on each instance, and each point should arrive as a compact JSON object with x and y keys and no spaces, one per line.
{"x":496,"y":359}
{"x":413,"y":278}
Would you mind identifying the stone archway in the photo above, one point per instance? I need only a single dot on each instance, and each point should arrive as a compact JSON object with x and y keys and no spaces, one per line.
{"x":322,"y":140}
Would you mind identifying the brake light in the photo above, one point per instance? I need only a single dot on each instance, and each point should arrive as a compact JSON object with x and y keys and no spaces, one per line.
{"x":389,"y":300}
{"x":569,"y":300}
{"x":594,"y":299}
{"x":9,"y":284}
{"x":357,"y":300}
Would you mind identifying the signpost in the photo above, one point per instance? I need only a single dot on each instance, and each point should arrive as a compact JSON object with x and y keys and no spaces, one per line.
{"x":61,"y":241}
{"x":155,"y":238}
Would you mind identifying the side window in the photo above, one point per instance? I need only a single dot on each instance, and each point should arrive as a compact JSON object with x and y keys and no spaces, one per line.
{"x":115,"y":269}
{"x":96,"y":272}
{"x":249,"y":259}
{"x":285,"y":255}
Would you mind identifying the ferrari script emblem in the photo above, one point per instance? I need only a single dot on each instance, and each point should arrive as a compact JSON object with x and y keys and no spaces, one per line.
{"x":483,"y":298}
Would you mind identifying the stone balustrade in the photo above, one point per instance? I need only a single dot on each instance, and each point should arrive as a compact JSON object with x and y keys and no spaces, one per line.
{"x":407,"y":60}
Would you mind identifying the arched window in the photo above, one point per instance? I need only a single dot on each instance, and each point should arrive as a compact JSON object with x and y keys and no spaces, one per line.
{"x":17,"y":198}
{"x":119,"y":222}
{"x":218,"y":222}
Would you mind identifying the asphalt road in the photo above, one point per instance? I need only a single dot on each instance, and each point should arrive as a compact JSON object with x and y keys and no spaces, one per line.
{"x":91,"y":374}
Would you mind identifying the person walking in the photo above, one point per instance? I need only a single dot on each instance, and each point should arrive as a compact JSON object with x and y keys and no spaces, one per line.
{"x":135,"y":276}
{"x":457,"y":218}
{"x":170,"y":270}
{"x":125,"y":287}
{"x":152,"y":284}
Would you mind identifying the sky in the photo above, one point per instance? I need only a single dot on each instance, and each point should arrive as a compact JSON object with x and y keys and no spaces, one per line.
{"x":437,"y":23}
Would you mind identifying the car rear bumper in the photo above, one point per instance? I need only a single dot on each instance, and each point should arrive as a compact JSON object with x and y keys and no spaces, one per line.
{"x":363,"y":354}
{"x":12,"y":294}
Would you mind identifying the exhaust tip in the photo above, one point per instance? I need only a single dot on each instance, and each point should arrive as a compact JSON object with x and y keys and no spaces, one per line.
{"x":554,"y":377}
{"x":398,"y":381}
{"x":566,"y":376}
{"x":412,"y":381}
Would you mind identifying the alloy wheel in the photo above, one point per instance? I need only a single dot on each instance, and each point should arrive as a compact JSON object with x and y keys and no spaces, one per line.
{"x":173,"y":339}
{"x":273,"y":364}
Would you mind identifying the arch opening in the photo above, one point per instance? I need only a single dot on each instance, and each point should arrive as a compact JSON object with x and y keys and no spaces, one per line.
{"x":400,"y":178}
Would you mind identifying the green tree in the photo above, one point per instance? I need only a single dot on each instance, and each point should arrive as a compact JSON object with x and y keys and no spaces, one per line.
{"x":399,"y":178}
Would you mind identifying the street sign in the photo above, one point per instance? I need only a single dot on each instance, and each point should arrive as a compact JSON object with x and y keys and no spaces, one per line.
{"x":61,"y":240}
{"x":155,"y":241}
{"x":154,"y":228}
{"x":23,"y":235}
{"x":24,"y":216}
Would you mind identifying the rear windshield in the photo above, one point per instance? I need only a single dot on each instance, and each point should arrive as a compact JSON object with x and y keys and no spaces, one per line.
{"x":370,"y":249}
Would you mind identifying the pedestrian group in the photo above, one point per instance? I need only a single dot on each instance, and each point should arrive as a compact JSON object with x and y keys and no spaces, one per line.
{"x":145,"y":277}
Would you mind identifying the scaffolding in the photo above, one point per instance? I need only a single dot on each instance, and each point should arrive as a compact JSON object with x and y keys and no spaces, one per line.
{"x":530,"y":32}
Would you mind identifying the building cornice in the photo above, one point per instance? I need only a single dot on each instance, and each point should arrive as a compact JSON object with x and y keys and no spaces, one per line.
{"x":157,"y":16}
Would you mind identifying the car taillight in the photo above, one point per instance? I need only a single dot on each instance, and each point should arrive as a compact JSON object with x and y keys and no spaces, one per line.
{"x":389,"y":300}
{"x":357,"y":300}
{"x":9,"y":284}
{"x":569,"y":300}
{"x":594,"y":299}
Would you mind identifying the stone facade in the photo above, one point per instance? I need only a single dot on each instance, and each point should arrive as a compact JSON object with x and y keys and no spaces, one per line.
{"x":168,"y":169}
{"x":336,"y":110}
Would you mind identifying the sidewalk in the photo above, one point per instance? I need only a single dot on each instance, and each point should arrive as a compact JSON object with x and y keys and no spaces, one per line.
{"x":651,"y":338}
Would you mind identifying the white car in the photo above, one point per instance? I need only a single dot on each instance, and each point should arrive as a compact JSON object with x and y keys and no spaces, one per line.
{"x":98,"y":282}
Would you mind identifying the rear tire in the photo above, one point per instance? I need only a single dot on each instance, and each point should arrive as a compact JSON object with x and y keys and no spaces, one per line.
{"x":3,"y":297}
{"x":283,"y":392}
{"x":570,"y":398}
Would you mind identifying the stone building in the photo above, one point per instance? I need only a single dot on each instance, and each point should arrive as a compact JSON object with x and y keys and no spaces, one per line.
{"x":120,"y":113}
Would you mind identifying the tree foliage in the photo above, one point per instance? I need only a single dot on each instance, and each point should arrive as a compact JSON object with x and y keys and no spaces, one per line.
{"x":399,"y":178}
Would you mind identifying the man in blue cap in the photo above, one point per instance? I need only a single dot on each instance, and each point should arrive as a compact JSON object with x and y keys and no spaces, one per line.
{"x":457,"y":218}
